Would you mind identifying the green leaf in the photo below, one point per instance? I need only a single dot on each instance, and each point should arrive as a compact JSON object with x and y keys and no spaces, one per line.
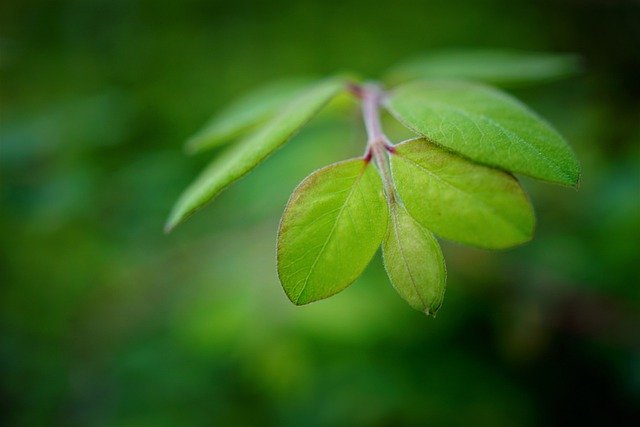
{"x":245,"y":113}
{"x":241,"y":158}
{"x":330,"y":230}
{"x":487,"y":126}
{"x":460,"y":200}
{"x":414,"y":262}
{"x":506,"y":68}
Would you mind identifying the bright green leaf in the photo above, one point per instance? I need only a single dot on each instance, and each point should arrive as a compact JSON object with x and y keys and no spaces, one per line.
{"x":414,"y":262}
{"x":460,"y":200}
{"x":506,"y":68}
{"x":330,"y":230}
{"x":485,"y":125}
{"x":241,"y":158}
{"x":242,"y":115}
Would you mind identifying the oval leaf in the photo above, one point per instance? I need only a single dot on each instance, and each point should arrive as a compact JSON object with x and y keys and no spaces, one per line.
{"x":242,"y":115}
{"x":506,"y":68}
{"x":460,"y":200}
{"x":487,"y":126}
{"x":330,"y":230}
{"x":414,"y":262}
{"x":239,"y":159}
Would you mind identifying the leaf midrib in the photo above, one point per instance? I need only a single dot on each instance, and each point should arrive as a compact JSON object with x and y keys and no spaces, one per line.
{"x":199,"y":196}
{"x":404,"y":259}
{"x":508,"y":133}
{"x":335,"y":224}
{"x":391,"y":107}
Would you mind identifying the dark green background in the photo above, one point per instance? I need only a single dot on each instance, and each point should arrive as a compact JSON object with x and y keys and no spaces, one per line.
{"x":106,"y":321}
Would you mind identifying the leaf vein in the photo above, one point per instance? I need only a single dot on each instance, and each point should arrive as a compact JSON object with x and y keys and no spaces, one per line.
{"x":306,"y":280}
{"x":460,"y":190}
{"x":404,"y":261}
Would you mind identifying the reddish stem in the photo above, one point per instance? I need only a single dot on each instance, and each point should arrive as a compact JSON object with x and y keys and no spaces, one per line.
{"x":378,"y":143}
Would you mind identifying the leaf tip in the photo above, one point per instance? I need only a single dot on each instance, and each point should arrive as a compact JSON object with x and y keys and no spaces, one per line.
{"x":577,"y":181}
{"x":193,"y":145}
{"x":571,"y":179}
{"x":296,"y":300}
{"x":299,"y":300}
{"x":189,"y":148}
{"x":169,"y":226}
{"x":175,"y":218}
{"x":431,"y":312}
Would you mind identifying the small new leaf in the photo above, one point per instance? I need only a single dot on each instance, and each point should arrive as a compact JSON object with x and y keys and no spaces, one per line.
{"x":414,"y":262}
{"x":247,"y":112}
{"x":331,"y":228}
{"x":460,"y":200}
{"x":505,"y":68}
{"x":241,"y":158}
{"x":487,"y":126}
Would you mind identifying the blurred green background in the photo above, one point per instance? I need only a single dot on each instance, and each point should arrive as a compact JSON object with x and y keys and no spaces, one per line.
{"x":104,"y":320}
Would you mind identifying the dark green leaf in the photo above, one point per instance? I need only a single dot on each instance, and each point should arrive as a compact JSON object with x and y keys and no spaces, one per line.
{"x":487,"y":126}
{"x":506,"y":68}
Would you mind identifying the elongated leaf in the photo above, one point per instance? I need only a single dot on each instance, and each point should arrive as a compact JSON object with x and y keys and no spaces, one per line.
{"x":330,"y":230}
{"x":485,"y":125}
{"x":506,"y":68}
{"x":461,"y":200}
{"x":247,"y":154}
{"x":246,"y":112}
{"x":414,"y":262}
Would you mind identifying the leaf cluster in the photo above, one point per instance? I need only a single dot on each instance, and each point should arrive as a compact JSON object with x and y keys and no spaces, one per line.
{"x":454,"y":180}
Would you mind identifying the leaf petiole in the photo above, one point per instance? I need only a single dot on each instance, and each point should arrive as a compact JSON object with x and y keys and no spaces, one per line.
{"x":377,"y":142}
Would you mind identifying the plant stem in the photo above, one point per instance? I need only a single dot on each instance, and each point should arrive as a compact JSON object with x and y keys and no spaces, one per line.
{"x":378,"y":143}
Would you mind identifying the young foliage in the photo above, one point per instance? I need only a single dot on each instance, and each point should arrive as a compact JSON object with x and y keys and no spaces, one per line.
{"x":330,"y":230}
{"x":453,"y":180}
{"x":414,"y":261}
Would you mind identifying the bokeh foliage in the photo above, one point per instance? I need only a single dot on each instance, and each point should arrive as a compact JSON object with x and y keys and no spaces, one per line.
{"x":104,"y":320}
